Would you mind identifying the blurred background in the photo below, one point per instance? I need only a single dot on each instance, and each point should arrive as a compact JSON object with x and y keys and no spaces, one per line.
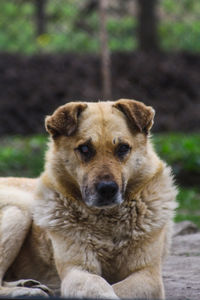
{"x":52,"y":52}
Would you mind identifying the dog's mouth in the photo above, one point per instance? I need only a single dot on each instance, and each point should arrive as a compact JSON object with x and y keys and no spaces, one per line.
{"x":97,"y":202}
{"x":106,"y":194}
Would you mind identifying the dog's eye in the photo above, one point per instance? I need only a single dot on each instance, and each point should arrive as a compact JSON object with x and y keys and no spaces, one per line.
{"x":122,"y":150}
{"x":86,"y":151}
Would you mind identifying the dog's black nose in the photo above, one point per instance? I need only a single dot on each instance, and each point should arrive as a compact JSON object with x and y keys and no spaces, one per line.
{"x":107,"y":189}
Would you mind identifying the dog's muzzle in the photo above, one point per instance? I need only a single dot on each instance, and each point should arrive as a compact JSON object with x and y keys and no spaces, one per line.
{"x":104,"y":194}
{"x":107,"y":189}
{"x":107,"y":193}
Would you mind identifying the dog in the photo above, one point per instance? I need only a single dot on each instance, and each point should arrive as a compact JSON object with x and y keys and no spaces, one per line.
{"x":97,"y":223}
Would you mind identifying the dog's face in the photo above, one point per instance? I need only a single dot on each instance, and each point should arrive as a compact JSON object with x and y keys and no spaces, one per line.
{"x":100,"y":148}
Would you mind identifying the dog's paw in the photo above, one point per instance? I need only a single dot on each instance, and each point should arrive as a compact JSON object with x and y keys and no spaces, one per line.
{"x":34,"y":284}
{"x":26,"y":287}
{"x":27,"y":282}
{"x":22,"y":291}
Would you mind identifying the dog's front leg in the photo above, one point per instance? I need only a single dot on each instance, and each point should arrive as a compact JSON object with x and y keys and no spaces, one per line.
{"x":78,"y":283}
{"x":144,"y":284}
{"x":72,"y":260}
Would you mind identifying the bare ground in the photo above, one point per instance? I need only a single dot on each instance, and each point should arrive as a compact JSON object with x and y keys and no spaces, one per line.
{"x":32,"y":87}
{"x":182,"y":268}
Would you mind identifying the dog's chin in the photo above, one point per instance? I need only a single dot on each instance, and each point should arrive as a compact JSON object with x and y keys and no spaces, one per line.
{"x":98,"y":202}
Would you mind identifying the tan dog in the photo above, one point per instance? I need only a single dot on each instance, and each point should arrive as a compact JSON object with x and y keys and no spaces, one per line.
{"x":103,"y":209}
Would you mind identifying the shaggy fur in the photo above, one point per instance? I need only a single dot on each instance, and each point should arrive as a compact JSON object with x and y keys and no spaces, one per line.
{"x":98,"y":221}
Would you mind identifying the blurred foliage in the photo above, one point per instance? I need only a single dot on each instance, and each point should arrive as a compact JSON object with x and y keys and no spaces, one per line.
{"x":24,"y":157}
{"x":16,"y":27}
{"x":189,"y":205}
{"x":122,"y":33}
{"x":68,"y":29}
{"x":182,"y":151}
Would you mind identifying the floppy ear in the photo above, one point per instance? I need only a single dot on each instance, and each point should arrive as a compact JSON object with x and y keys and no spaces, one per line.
{"x":64,"y":120}
{"x":139,"y":115}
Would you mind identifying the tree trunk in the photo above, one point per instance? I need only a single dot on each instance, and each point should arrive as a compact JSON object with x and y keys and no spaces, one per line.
{"x":147,"y":27}
{"x":105,"y":53}
{"x":40,"y":15}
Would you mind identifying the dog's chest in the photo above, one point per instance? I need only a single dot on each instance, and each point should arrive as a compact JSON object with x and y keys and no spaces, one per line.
{"x":111,"y":241}
{"x":105,"y":236}
{"x":108,"y":234}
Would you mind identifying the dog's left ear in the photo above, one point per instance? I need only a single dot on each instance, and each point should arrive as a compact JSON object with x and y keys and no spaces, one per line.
{"x":64,"y":120}
{"x":139,"y":115}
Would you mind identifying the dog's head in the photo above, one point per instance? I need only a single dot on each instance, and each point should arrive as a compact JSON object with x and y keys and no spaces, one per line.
{"x":100,"y":148}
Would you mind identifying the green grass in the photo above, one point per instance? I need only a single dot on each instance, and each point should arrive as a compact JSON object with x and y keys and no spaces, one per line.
{"x":189,"y":205}
{"x":24,"y":156}
{"x":182,"y":151}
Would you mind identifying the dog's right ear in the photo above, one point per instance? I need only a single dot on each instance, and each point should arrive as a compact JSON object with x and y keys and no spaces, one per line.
{"x":64,"y":120}
{"x":139,"y":115}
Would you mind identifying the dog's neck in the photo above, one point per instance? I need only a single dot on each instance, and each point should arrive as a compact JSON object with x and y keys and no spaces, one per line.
{"x":135,"y":188}
{"x":67,"y":188}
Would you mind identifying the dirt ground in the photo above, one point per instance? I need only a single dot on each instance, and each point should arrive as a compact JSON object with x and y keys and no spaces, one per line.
{"x":32,"y":87}
{"x":182,"y":268}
